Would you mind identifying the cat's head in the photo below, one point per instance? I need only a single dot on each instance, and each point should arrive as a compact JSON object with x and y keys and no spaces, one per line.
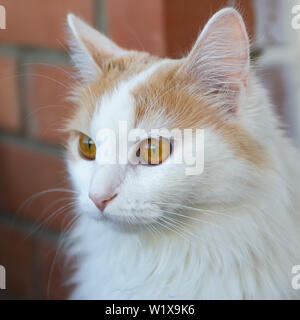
{"x":120,"y":91}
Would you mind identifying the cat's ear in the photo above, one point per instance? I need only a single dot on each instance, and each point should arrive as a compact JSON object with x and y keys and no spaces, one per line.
{"x":219,"y":60}
{"x":90,"y":48}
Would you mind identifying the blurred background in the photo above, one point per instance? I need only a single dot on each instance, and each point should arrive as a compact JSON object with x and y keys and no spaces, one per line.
{"x":35,"y":73}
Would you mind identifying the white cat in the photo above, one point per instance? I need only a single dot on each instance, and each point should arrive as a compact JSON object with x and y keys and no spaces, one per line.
{"x":150,"y":231}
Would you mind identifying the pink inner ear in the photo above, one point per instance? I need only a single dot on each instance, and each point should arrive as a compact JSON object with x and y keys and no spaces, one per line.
{"x":219,"y":59}
{"x":90,"y":48}
{"x":86,"y":34}
{"x":226,"y":33}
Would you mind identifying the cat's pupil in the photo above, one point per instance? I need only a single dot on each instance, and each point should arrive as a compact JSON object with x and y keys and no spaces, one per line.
{"x":89,"y":143}
{"x":153,"y":148}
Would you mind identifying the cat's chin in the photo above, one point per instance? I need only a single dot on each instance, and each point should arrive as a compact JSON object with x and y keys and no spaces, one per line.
{"x":124,"y":223}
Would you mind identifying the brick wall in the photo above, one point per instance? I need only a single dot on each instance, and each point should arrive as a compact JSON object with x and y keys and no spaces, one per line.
{"x":35,"y":72}
{"x":34,"y":75}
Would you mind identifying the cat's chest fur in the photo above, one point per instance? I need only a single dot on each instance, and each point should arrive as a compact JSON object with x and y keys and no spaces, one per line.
{"x":251,"y":261}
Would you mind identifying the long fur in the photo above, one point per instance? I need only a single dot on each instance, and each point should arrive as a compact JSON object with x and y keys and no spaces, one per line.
{"x":230,"y":233}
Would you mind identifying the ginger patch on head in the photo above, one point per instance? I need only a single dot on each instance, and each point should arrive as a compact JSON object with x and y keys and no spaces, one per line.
{"x":166,"y":92}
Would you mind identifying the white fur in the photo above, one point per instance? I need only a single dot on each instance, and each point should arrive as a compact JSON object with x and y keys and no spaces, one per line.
{"x":239,"y":238}
{"x":244,"y":248}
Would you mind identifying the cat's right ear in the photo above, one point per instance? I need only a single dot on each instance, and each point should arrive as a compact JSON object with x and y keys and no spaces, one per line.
{"x":90,"y":48}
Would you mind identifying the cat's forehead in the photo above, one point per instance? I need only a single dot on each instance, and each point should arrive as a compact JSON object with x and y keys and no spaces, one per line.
{"x":147,"y":92}
{"x":154,"y":95}
{"x":124,"y":100}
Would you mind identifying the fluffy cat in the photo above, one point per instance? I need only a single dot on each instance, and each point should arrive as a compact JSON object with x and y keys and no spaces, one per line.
{"x":148,"y":231}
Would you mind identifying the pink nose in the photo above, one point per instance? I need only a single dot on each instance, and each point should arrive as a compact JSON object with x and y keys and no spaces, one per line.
{"x":101,"y":201}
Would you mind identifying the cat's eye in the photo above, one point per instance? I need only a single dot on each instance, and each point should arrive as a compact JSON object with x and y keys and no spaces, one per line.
{"x":155,"y":151}
{"x":87,"y":147}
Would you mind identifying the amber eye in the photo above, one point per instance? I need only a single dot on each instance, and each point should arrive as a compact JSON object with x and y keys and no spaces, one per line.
{"x":155,"y":151}
{"x":87,"y":147}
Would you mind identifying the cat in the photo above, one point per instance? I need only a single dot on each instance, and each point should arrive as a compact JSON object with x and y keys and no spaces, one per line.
{"x":149,"y":230}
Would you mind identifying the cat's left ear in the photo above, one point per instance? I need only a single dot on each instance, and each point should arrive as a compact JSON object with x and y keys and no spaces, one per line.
{"x":219,"y":61}
{"x":90,"y":48}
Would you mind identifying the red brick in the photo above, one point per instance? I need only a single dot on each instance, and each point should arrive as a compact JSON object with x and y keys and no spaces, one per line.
{"x":26,"y":172}
{"x":136,"y":24}
{"x":55,"y":271}
{"x":9,"y":109}
{"x":183,"y":22}
{"x":48,"y":87}
{"x":164,"y":27}
{"x":16,"y":255}
{"x":41,"y":23}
